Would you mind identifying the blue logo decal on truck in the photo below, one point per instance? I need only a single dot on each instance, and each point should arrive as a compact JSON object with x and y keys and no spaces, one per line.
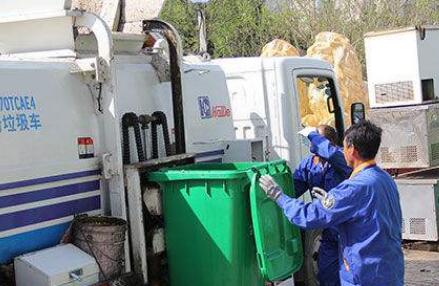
{"x":204,"y":106}
{"x":19,"y":113}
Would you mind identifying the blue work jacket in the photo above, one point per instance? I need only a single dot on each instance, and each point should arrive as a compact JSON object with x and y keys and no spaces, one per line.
{"x":328,"y":173}
{"x":366,"y":212}
{"x":325,"y":169}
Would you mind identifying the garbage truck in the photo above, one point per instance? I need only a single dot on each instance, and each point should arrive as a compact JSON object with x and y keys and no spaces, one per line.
{"x":86,"y":113}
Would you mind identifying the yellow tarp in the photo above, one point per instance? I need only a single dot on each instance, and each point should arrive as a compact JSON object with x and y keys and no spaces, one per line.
{"x":337,"y":50}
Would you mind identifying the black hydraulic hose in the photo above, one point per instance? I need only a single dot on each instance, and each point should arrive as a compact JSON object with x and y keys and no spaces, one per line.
{"x":166,"y":137}
{"x":144,"y":121}
{"x":138,"y":138}
{"x":126,"y":138}
{"x":154,"y":139}
{"x":174,"y":44}
{"x":162,"y":120}
{"x":130,"y":119}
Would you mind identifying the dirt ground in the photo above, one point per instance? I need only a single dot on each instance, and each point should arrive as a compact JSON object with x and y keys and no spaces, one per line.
{"x":421,"y":268}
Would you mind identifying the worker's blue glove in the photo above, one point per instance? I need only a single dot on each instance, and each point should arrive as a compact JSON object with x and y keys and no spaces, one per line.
{"x":270,"y":187}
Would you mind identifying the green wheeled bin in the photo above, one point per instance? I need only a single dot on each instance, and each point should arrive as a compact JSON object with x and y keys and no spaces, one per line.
{"x":220,"y":227}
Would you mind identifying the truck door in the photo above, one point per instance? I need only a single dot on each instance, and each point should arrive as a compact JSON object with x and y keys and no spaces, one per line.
{"x":317,"y":102}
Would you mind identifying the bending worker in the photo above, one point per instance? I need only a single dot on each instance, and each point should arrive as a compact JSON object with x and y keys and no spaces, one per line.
{"x":364,"y":209}
{"x":325,"y":169}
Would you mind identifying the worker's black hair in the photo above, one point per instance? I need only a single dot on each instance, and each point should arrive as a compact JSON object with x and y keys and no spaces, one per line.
{"x":329,"y":132}
{"x":365,"y":137}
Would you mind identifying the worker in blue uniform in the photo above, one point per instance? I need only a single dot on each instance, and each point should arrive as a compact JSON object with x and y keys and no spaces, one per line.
{"x":365,"y":210}
{"x":325,"y":168}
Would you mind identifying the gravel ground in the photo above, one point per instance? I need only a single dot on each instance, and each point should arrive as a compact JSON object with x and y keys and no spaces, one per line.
{"x":421,"y":268}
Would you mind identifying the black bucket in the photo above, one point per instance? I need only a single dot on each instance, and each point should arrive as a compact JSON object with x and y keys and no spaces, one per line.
{"x":104,"y":239}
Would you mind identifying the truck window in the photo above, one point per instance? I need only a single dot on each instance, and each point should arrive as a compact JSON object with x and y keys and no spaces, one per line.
{"x":316,"y":101}
{"x":319,"y":103}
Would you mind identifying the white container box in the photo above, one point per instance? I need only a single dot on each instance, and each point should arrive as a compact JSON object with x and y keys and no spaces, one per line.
{"x":64,"y":265}
{"x":410,"y":136}
{"x":402,"y":66}
{"x":244,"y":150}
{"x":420,"y":219}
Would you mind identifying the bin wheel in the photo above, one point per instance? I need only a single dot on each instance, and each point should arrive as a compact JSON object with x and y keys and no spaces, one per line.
{"x":312,"y":245}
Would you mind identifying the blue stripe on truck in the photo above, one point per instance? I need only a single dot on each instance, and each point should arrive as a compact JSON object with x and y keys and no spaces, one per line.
{"x":35,"y":236}
{"x":46,"y":213}
{"x":44,"y":180}
{"x":18,"y":244}
{"x":50,"y":193}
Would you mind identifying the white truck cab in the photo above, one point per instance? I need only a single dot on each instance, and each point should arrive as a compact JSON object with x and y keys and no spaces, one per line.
{"x":272,"y":100}
{"x":265,"y":94}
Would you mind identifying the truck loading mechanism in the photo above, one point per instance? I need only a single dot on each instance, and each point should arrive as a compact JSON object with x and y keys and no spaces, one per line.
{"x":175,"y":52}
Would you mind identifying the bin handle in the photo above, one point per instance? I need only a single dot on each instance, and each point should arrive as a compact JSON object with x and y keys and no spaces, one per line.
{"x":278,"y":167}
{"x":254,"y":174}
{"x":281,"y":167}
{"x":254,"y":170}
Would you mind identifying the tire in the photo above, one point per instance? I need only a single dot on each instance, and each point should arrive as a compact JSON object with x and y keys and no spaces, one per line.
{"x":311,"y":254}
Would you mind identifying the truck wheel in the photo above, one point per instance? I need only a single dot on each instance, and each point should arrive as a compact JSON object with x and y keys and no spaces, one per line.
{"x":311,"y":249}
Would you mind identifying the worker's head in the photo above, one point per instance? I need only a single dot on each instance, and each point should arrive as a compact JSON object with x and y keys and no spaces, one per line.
{"x":361,"y":142}
{"x":329,"y":132}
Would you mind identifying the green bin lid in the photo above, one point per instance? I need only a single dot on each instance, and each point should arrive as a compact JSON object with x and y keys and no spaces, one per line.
{"x":278,"y":242}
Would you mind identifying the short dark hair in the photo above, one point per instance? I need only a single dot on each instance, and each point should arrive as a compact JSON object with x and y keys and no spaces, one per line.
{"x":329,"y":132}
{"x":365,"y":137}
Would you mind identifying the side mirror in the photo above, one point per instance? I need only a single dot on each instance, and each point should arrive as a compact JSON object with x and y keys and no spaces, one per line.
{"x":358,"y":112}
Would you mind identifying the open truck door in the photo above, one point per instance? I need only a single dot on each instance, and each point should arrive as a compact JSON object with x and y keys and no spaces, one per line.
{"x":317,"y":103}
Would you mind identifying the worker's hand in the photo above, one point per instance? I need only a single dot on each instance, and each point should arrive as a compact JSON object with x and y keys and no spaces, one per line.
{"x":307,"y":130}
{"x":319,"y":193}
{"x":270,"y":187}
